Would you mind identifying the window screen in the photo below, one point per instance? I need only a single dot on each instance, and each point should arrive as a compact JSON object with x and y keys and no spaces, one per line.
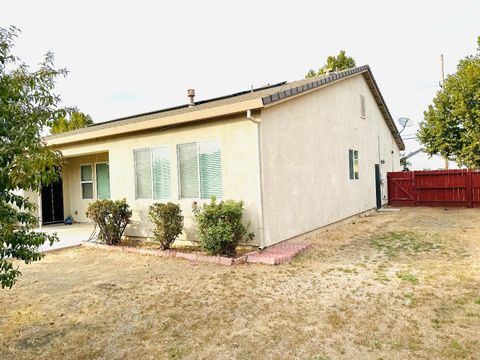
{"x":188,"y":170}
{"x":143,"y":174}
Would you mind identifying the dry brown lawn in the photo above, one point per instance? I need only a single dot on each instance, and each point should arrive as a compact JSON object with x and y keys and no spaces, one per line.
{"x":384,"y":286}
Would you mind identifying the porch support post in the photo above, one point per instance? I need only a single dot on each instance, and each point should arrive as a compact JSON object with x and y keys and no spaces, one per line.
{"x":39,"y":204}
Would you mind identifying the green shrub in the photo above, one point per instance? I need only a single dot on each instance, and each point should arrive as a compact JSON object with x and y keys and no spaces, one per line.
{"x":168,"y":221}
{"x":111,"y":217}
{"x":220,"y":226}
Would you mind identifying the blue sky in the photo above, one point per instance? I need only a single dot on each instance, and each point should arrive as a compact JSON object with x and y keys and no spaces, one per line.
{"x":127,"y":57}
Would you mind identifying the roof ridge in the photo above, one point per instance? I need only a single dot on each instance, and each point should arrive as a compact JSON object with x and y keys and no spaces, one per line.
{"x":262,"y":96}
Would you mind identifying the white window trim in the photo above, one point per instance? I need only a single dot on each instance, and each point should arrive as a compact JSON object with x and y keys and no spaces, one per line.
{"x":356,"y":175}
{"x":94,"y":192}
{"x":199,"y":185}
{"x":353,"y":165}
{"x":151,"y":172}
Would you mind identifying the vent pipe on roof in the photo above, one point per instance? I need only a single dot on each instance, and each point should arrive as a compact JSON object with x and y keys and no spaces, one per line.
{"x":191,"y":96}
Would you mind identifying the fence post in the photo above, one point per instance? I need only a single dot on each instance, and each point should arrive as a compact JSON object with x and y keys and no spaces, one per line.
{"x":415,"y":190}
{"x":469,"y":189}
{"x":388,"y":189}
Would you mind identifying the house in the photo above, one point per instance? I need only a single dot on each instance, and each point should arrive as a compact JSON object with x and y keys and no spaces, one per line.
{"x":420,"y":160}
{"x":300,"y":155}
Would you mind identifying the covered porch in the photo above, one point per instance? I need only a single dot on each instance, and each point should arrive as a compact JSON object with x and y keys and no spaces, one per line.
{"x":84,"y":179}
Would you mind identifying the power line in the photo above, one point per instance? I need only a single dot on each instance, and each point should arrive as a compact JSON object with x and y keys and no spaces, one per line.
{"x":415,"y":88}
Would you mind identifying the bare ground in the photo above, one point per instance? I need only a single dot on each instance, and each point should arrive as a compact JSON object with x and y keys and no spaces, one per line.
{"x":383,"y":286}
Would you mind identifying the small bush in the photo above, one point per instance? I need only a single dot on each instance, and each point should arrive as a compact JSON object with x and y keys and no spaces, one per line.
{"x":168,"y":221}
{"x":111,"y":217}
{"x":220,"y":226}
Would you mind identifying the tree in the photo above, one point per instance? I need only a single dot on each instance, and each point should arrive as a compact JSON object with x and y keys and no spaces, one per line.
{"x":27,"y":106}
{"x":451,"y":125}
{"x":336,"y":63}
{"x":405,"y":164}
{"x":75,"y":120}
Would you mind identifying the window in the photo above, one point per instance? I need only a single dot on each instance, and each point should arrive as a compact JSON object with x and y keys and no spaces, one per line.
{"x":362,"y":106}
{"x":86,"y":181}
{"x":210,"y":160}
{"x":200,"y":169}
{"x":102,"y":175}
{"x":161,"y":173}
{"x":188,"y":170}
{"x":353,"y":164}
{"x":143,"y":174}
{"x":152,"y":173}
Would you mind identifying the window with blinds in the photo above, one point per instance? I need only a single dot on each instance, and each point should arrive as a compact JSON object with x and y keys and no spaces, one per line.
{"x":152,"y":173}
{"x":200,"y":169}
{"x":353,"y":164}
{"x":143,"y":174}
{"x":161,"y":173}
{"x":188,"y":169}
{"x":210,"y":161}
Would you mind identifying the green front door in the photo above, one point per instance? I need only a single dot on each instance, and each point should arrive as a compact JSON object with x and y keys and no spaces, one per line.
{"x":103,"y":181}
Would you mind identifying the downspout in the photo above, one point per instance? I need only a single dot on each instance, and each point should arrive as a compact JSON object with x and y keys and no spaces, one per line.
{"x":258,"y":122}
{"x":380,"y":168}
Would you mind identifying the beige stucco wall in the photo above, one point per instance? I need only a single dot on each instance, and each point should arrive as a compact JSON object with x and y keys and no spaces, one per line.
{"x":305,"y":167}
{"x":33,"y":197}
{"x":240,"y":177}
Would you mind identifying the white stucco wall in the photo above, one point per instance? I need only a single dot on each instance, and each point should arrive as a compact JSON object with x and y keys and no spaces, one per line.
{"x":240,"y":179}
{"x":305,"y":167}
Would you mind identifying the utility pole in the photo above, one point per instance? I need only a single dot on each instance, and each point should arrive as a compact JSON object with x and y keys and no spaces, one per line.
{"x":443,"y":80}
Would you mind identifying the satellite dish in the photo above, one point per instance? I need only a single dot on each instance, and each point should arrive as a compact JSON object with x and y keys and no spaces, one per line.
{"x":403,"y":121}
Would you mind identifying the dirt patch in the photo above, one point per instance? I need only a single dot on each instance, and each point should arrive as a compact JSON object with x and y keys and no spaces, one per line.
{"x":383,"y":286}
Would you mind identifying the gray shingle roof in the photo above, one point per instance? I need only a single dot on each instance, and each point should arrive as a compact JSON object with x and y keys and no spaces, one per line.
{"x":269,"y":95}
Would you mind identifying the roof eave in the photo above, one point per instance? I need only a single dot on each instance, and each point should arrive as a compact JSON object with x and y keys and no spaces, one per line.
{"x":384,"y":109}
{"x":194,"y":116}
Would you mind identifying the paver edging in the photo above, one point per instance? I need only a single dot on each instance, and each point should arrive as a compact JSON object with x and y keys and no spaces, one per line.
{"x":275,"y":255}
{"x":218,"y":260}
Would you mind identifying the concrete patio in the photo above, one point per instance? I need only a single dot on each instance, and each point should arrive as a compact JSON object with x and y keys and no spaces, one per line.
{"x":69,"y":235}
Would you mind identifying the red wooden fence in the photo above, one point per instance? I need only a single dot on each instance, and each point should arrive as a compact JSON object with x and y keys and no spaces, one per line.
{"x":434,"y":188}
